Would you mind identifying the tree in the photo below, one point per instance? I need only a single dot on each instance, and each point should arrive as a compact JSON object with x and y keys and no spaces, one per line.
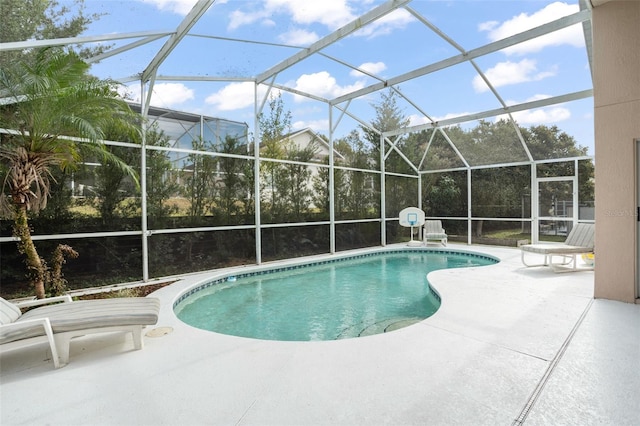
{"x":320,"y":196}
{"x":232,"y":181}
{"x":358,"y":192}
{"x":547,"y":142}
{"x":273,"y":129}
{"x":60,"y":200}
{"x":294,"y":183}
{"x":389,"y":117}
{"x":270,"y":176}
{"x":498,"y":192}
{"x":491,"y":143}
{"x":53,"y":99}
{"x":111,"y":178}
{"x":39,"y":20}
{"x":277,"y":124}
{"x":320,"y":183}
{"x":340,"y":178}
{"x":161,"y":178}
{"x":248,"y":188}
{"x":200,"y":181}
{"x":443,"y":196}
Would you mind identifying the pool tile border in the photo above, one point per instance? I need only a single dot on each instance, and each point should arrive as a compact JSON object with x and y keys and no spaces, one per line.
{"x":231,"y":276}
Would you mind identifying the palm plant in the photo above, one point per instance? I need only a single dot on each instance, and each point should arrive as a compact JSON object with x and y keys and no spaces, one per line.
{"x":57,"y":114}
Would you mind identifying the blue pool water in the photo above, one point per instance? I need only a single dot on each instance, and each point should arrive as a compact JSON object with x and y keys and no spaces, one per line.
{"x":339,"y":299}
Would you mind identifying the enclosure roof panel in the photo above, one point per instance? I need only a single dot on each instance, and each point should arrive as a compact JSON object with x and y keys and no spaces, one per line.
{"x":450,"y":63}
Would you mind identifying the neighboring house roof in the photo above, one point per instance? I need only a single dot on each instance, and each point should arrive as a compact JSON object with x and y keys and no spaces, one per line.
{"x":180,"y":115}
{"x":304,"y":137}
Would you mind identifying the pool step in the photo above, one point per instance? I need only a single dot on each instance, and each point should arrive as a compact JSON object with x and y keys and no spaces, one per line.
{"x":383,"y":326}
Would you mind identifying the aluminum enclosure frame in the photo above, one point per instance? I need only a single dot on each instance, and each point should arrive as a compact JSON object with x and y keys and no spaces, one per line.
{"x":337,"y":107}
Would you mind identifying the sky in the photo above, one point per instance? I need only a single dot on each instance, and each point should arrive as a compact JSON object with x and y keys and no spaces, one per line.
{"x":551,"y":65}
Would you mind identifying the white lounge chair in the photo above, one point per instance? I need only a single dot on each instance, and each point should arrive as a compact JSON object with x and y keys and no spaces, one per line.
{"x":581,"y":240}
{"x":59,"y":323}
{"x":433,"y":231}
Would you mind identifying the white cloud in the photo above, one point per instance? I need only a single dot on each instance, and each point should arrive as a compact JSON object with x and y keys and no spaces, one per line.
{"x":506,"y":73}
{"x":181,"y":7}
{"x":322,"y":84}
{"x":321,"y":126}
{"x":451,"y":115}
{"x":374,"y":68}
{"x":171,"y":94}
{"x":298,"y":37}
{"x":417,"y":120}
{"x":399,"y":18}
{"x":572,"y":36}
{"x":551,"y":114}
{"x":542,"y":115}
{"x":488,"y":26}
{"x":165,"y":95}
{"x":129,"y":92}
{"x":232,"y":97}
{"x":537,"y":97}
{"x":332,"y":13}
{"x":235,"y":96}
{"x":238,"y":18}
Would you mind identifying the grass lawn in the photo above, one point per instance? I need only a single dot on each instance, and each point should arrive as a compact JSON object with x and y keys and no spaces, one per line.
{"x":516,"y":234}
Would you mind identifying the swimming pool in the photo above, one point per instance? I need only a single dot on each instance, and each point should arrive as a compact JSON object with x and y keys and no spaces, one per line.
{"x":345,"y":297}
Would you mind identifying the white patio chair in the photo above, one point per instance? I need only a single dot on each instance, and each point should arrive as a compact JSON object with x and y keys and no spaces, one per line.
{"x":59,"y":323}
{"x":581,"y":240}
{"x":433,"y":231}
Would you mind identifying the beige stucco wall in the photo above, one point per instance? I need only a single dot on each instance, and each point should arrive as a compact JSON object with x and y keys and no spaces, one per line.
{"x":616,"y":75}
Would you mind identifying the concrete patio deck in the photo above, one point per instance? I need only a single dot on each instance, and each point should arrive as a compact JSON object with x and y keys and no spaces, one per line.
{"x":510,"y":345}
